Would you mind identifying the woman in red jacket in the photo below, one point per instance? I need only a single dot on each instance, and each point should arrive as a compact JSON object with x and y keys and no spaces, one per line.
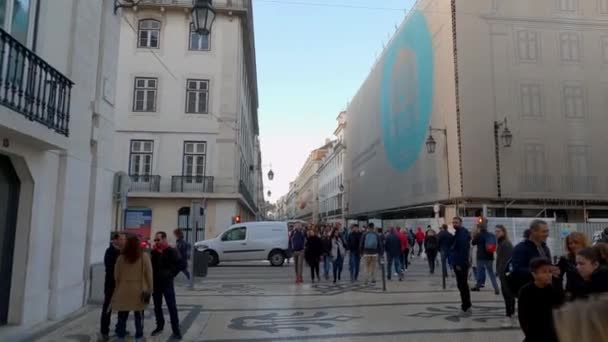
{"x":405,"y":248}
{"x":419,"y":239}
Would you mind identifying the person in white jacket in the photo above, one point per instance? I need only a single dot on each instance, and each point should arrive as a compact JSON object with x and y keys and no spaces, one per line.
{"x":338,"y":252}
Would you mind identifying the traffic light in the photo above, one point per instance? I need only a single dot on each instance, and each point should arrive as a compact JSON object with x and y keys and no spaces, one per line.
{"x":236,"y":219}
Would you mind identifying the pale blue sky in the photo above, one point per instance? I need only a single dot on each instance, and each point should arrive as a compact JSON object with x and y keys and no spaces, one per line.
{"x":312,"y":58}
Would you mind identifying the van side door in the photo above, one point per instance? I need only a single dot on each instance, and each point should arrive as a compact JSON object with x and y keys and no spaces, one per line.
{"x":234,"y":244}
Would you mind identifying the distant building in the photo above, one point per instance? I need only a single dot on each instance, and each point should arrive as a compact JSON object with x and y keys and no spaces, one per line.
{"x":187,"y":118}
{"x":331,"y":180}
{"x":305,"y":195}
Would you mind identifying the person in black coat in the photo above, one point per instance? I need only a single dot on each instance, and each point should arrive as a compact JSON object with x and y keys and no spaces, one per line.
{"x":445,"y":243}
{"x":392,"y":244}
{"x":109,"y":260}
{"x":575,"y":285}
{"x":594,"y":276}
{"x":354,"y":243}
{"x":312,"y":253}
{"x":431,"y":247}
{"x":165,"y":266}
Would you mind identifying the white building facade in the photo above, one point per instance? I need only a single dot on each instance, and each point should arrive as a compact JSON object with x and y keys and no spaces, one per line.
{"x":187,"y":126}
{"x":331,"y":178}
{"x":58,"y":71}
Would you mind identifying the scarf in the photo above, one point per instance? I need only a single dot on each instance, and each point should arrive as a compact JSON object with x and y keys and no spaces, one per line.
{"x":160,"y":249}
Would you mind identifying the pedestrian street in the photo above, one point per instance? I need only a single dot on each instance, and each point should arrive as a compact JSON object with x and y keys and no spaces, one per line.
{"x":256,"y":302}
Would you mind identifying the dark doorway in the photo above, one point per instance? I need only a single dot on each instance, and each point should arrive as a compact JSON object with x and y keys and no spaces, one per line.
{"x":9,"y":202}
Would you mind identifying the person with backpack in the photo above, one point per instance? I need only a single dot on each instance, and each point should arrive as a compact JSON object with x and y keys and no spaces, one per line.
{"x":371,"y":247}
{"x":459,"y":259}
{"x":420,"y":239}
{"x":184,"y":248}
{"x":503,"y":254}
{"x":486,"y":247}
{"x":431,"y":247}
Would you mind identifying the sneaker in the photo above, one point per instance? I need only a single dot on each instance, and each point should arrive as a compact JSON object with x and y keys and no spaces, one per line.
{"x":497,"y":292}
{"x":176,"y":336}
{"x":475,"y":289}
{"x":467,"y":313}
{"x":157,"y":332}
{"x":506,"y":323}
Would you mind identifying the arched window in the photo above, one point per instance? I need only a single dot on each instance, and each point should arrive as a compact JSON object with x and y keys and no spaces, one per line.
{"x":149,"y":34}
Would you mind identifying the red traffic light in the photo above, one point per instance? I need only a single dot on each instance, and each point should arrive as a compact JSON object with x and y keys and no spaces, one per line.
{"x":237,"y":219}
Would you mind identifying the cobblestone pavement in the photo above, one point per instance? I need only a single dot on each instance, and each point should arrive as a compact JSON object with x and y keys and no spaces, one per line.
{"x":256,"y":302}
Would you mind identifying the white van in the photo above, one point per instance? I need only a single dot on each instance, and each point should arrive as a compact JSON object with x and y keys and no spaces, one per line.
{"x":249,"y":241}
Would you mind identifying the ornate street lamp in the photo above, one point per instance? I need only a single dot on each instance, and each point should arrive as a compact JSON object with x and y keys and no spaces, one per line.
{"x":341,"y":187}
{"x":507,"y":137}
{"x":431,"y":144}
{"x":270,"y":175}
{"x":203,"y":16}
{"x":269,"y":193}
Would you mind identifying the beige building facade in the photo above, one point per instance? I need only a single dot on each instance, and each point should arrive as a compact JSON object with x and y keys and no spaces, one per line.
{"x":187,"y":125}
{"x":478,"y":71}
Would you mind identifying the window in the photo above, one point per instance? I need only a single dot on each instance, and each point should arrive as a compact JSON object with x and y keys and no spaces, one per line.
{"x":149,"y":34}
{"x":578,"y":160}
{"x":605,"y":48}
{"x":140,"y":158}
{"x":197,"y":96}
{"x":567,"y":5}
{"x":198,"y":42}
{"x":534,"y":159}
{"x":574,"y":101}
{"x":530,"y":100}
{"x":527,"y":46}
{"x":236,"y":234}
{"x":570,"y":46}
{"x":145,"y":94}
{"x":603,"y":6}
{"x":194,"y":160}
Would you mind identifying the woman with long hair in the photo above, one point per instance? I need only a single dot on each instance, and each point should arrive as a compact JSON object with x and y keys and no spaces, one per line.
{"x":504,"y":250}
{"x":338,"y":251}
{"x":133,"y":275}
{"x":312,"y":254}
{"x":575,"y":285}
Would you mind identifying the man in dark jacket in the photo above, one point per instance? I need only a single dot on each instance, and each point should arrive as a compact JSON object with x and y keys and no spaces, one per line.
{"x":392,"y":245}
{"x":445,"y":243}
{"x":485,"y":257}
{"x":109,"y":260}
{"x":184,"y":248}
{"x":165,"y":266}
{"x":459,"y":259}
{"x":354,"y":243}
{"x":534,"y":247}
{"x":298,"y":241}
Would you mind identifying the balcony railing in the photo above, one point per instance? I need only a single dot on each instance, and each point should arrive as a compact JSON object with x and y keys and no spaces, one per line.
{"x":145,"y":183}
{"x":33,"y":88}
{"x":218,"y":4}
{"x":534,"y":183}
{"x":247,"y":195}
{"x":579,"y":184}
{"x":191,"y":184}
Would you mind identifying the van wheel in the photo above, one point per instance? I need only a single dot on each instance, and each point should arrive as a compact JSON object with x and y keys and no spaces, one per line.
{"x":276,"y":258}
{"x":212,"y":258}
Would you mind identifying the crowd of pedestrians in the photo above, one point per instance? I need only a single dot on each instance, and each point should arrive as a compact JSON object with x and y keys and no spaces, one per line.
{"x":134,"y":277}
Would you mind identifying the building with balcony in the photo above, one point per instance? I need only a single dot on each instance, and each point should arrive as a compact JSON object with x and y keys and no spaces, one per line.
{"x":331,"y":178}
{"x":58,"y":63}
{"x":464,"y":67}
{"x":187,"y":125}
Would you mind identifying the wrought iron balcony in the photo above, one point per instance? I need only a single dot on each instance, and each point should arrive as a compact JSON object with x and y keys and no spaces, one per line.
{"x":218,"y":4}
{"x":191,"y":184}
{"x":145,"y":183}
{"x":33,"y":88}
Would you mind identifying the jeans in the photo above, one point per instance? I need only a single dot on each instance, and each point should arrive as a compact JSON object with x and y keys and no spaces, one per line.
{"x":370,"y":262}
{"x":420,"y":247}
{"x":444,"y":263}
{"x":354,"y":266}
{"x":462,"y":276}
{"x":298,"y":259}
{"x":167,"y":291}
{"x":326,"y":265}
{"x":186,"y":272}
{"x":482,"y":266}
{"x":507,"y":296}
{"x":314,"y":269}
{"x":338,"y":263}
{"x":431,"y":256}
{"x":106,"y":313}
{"x":121,"y":326}
{"x":393,"y":260}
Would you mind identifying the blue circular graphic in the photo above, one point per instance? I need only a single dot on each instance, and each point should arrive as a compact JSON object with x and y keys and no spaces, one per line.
{"x":406,"y":92}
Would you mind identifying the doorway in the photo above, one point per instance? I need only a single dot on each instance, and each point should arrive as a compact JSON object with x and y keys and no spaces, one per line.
{"x":9,"y":202}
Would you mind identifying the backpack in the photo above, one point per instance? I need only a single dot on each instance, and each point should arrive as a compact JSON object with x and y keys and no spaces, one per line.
{"x":491,"y":243}
{"x":371,"y":241}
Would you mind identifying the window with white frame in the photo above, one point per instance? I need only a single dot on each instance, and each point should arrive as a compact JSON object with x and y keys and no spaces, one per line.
{"x":527,"y":45}
{"x":605,"y":49}
{"x":197,"y":96}
{"x":198,"y":41}
{"x":570,"y":46}
{"x":144,"y":95}
{"x":578,"y":160}
{"x":567,"y":5}
{"x":530,"y":97}
{"x":15,"y":18}
{"x":574,"y":101}
{"x":148,"y":34}
{"x":140,"y":157}
{"x":603,"y":6}
{"x":195,"y":155}
{"x":534,"y":155}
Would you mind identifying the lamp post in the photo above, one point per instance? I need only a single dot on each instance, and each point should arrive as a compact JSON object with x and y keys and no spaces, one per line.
{"x":507,"y":139}
{"x":203,"y":16}
{"x":431,"y":145}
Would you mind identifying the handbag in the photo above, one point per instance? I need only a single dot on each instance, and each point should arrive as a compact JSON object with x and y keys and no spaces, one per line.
{"x":145,"y":295}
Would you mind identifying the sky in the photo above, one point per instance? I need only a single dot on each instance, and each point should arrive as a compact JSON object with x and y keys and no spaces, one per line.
{"x":312,"y":57}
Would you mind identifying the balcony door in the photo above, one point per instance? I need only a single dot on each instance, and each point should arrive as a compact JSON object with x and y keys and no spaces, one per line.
{"x":16,"y":18}
{"x":9,"y":199}
{"x":194,"y":164}
{"x":140,"y":162}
